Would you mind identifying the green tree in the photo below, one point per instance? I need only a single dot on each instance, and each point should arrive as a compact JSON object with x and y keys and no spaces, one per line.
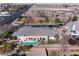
{"x":57,"y":21}
{"x":66,"y":6}
{"x":57,"y":38}
{"x":57,"y":15}
{"x":41,"y":21}
{"x":8,"y":35}
{"x":74,"y":18}
{"x":52,"y":41}
{"x":2,"y":38}
{"x":25,"y":47}
{"x":28,"y":47}
{"x":13,"y":37}
{"x":47,"y":20}
{"x":7,"y":47}
{"x":70,"y":18}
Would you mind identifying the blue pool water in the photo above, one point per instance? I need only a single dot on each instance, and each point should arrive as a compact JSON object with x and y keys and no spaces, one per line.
{"x":28,"y":43}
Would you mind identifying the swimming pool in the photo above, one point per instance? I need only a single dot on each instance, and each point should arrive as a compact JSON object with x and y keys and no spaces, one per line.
{"x":28,"y":43}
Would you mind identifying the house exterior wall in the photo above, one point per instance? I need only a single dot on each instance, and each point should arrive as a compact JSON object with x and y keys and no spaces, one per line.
{"x":23,"y":38}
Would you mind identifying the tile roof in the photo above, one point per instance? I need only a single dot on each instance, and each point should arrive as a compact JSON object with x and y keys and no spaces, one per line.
{"x":35,"y":31}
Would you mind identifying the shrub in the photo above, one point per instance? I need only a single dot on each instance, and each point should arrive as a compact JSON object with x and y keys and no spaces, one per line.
{"x":52,"y":41}
{"x":25,"y":47}
{"x":74,"y":18}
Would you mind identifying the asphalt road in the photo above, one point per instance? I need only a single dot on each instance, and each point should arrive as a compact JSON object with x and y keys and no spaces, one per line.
{"x":14,"y":16}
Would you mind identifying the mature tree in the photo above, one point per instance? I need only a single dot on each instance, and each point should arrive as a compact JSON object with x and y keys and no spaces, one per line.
{"x":7,"y":47}
{"x":8,"y":35}
{"x":66,"y":6}
{"x":57,"y":15}
{"x":57,"y":21}
{"x":2,"y":37}
{"x":28,"y":47}
{"x":72,"y":41}
{"x":52,"y":41}
{"x":41,"y":21}
{"x":47,"y":20}
{"x":13,"y":37}
{"x":70,"y":18}
{"x":25,"y":47}
{"x":74,"y":18}
{"x":4,"y":48}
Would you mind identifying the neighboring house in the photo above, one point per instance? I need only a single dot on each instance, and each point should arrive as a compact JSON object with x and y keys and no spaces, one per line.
{"x":50,"y":11}
{"x":72,"y":31}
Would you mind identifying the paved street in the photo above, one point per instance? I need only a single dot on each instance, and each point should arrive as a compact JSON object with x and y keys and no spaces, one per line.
{"x":14,"y":16}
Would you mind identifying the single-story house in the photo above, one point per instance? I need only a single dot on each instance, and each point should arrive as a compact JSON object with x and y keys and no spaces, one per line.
{"x":35,"y":33}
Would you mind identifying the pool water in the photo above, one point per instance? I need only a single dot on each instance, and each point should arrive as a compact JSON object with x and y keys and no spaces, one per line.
{"x":28,"y":43}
